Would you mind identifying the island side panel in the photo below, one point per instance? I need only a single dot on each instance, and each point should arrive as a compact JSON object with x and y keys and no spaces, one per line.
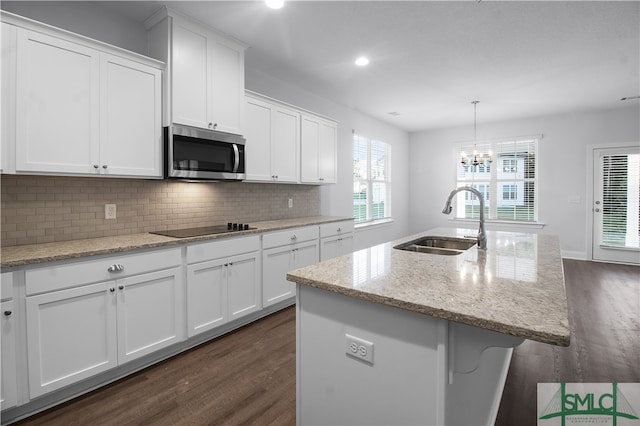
{"x":403,"y":385}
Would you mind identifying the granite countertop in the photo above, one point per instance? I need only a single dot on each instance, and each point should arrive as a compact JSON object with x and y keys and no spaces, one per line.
{"x":515,"y":287}
{"x":48,"y":252}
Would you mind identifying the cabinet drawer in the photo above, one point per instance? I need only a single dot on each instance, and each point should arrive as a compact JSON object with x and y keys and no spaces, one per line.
{"x":336,"y":228}
{"x":68,"y":275}
{"x":200,"y":252}
{"x":6,"y":292}
{"x":288,"y":236}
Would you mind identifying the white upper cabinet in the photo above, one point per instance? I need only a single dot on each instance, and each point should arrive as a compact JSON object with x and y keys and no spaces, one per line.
{"x":81,"y":106}
{"x":131,"y":111}
{"x":318,"y":144}
{"x":58,"y":105}
{"x":8,"y":99}
{"x":205,"y":85}
{"x":273,"y":141}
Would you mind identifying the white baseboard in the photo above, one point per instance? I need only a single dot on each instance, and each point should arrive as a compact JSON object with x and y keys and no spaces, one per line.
{"x":575,"y":255}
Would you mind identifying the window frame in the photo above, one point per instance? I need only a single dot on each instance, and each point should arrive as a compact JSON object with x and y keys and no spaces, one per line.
{"x":369,"y":181}
{"x":495,"y":178}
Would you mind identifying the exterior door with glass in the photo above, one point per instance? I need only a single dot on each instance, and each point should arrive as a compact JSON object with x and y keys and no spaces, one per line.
{"x":616,"y":204}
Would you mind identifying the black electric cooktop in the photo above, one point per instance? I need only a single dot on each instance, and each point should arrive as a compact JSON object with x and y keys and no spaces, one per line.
{"x":204,"y":230}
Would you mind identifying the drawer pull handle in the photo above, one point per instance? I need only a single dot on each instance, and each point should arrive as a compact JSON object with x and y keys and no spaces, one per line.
{"x":117,"y":267}
{"x":7,"y":313}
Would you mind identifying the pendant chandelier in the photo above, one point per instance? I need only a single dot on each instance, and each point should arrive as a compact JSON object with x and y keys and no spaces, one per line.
{"x":478,"y":158}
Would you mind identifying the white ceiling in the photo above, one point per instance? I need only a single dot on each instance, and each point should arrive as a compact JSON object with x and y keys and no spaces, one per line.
{"x":429,"y":59}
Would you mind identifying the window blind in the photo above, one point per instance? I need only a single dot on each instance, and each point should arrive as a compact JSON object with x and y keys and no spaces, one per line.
{"x":621,"y":200}
{"x":371,"y":179}
{"x":508,"y":182}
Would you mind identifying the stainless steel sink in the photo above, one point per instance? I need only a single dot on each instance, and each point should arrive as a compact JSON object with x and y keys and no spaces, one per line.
{"x":447,"y":246}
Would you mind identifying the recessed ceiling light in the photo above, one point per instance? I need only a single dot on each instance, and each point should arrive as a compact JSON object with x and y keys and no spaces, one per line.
{"x":362,"y":61}
{"x":274,"y":4}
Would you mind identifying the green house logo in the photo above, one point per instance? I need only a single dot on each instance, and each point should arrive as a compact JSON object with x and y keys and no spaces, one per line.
{"x":589,"y":403}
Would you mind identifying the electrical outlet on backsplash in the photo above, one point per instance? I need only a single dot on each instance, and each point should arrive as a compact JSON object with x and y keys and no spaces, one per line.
{"x":40,"y":209}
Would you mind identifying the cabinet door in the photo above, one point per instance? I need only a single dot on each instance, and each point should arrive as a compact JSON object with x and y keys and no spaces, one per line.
{"x":71,"y":335}
{"x":57,"y":105}
{"x":327,"y":146}
{"x":309,"y":143}
{"x":258,"y":135}
{"x":8,"y":391}
{"x":150,"y":313}
{"x":226,"y":68}
{"x":243,"y":284}
{"x":131,"y":127}
{"x":336,"y":246}
{"x":285,"y":144}
{"x":190,"y":79}
{"x":276,"y":263}
{"x":8,"y":99}
{"x":305,"y":254}
{"x":206,"y":296}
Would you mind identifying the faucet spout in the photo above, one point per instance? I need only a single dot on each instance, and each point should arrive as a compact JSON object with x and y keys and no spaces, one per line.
{"x":482,"y":236}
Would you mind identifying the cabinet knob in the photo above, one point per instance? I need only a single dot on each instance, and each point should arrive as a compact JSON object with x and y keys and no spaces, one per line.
{"x":339,"y":229}
{"x":117,"y":267}
{"x":104,"y":166}
{"x":112,"y":289}
{"x":95,"y":166}
{"x":7,"y":313}
{"x":230,"y":263}
{"x":120,"y":287}
{"x":215,"y":125}
{"x":294,"y":237}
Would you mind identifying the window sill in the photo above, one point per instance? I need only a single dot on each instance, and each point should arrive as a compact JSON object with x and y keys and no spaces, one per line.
{"x":500,"y":224}
{"x":361,"y":226}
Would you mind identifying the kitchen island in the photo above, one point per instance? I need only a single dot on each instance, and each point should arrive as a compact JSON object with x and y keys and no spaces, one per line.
{"x":386,"y":336}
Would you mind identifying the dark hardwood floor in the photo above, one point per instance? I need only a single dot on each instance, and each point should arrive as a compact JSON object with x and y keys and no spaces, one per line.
{"x":604,"y":317}
{"x":248,"y":376}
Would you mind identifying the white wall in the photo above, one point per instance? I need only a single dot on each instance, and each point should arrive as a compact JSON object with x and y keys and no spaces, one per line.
{"x":562,"y":162}
{"x":93,"y":21}
{"x":85,"y":18}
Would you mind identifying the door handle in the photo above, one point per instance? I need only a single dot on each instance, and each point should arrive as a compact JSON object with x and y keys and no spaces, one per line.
{"x":236,"y":158}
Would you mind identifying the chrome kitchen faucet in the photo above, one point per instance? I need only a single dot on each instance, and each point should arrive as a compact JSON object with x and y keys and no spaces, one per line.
{"x":482,"y":236}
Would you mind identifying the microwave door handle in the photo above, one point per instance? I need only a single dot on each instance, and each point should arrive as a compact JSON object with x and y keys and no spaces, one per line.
{"x":236,"y":163}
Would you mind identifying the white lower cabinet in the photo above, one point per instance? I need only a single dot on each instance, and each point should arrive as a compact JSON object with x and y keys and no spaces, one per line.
{"x":223,"y":282}
{"x":8,"y":390}
{"x":284,"y":251}
{"x":336,"y":239}
{"x":76,"y":332}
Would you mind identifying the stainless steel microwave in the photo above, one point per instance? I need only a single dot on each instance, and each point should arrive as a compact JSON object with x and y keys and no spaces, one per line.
{"x":193,"y":153}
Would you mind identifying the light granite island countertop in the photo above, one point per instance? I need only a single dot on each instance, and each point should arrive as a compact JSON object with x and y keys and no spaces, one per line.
{"x":439,"y":330}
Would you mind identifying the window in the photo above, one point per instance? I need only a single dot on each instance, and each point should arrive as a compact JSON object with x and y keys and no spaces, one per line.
{"x":510,"y":189}
{"x":371,"y":179}
{"x":509,"y":192}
